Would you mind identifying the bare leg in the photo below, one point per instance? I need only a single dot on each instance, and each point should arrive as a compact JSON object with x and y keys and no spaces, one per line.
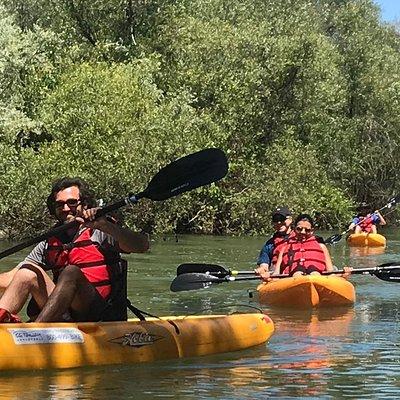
{"x":6,"y":277}
{"x":27,"y":279}
{"x":373,"y":229}
{"x":73,"y":290}
{"x":357,"y":229}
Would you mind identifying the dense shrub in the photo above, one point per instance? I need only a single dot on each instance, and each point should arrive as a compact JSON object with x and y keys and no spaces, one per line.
{"x":302,"y":95}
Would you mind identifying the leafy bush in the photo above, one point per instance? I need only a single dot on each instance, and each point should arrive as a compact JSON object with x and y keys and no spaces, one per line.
{"x":302,"y":95}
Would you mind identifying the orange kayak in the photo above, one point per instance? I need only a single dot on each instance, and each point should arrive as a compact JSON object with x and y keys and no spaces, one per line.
{"x":31,"y":346}
{"x":307,"y":291}
{"x":366,"y":239}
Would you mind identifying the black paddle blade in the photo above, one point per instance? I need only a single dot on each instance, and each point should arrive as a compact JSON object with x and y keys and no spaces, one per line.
{"x":187,"y":173}
{"x":392,"y":202}
{"x":389,"y":272}
{"x":193,"y":281}
{"x":212,"y":269}
{"x":390,"y":275}
{"x":333,"y":239}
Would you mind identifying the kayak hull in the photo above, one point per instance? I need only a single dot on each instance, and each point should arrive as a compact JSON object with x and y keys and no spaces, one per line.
{"x":66,"y":345}
{"x":307,"y":291}
{"x":366,"y":240}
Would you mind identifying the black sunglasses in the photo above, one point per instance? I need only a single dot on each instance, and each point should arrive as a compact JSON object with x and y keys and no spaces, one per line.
{"x":300,"y":229}
{"x":69,"y":202}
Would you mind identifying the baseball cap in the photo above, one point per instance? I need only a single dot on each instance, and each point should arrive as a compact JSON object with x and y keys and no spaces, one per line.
{"x":281,"y":211}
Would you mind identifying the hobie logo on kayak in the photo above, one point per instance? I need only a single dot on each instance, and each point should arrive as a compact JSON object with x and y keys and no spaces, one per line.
{"x":137,"y":339}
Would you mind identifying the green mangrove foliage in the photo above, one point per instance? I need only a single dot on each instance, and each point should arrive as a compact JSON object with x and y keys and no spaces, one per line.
{"x":302,"y":95}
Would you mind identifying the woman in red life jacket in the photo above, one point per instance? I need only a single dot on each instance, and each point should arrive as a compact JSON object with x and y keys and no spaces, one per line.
{"x":303,"y":254}
{"x":366,"y":222}
{"x":85,"y":263}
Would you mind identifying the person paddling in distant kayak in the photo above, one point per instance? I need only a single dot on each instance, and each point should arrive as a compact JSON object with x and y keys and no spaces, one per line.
{"x":282,"y":223}
{"x":366,"y":222}
{"x":303,"y":254}
{"x":88,"y":272}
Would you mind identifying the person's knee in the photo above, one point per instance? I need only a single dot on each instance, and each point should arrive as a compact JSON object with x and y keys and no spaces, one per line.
{"x":70,"y":273}
{"x":28,"y":275}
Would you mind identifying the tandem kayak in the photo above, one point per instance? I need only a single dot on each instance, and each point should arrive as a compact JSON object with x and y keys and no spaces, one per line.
{"x":307,"y":291}
{"x":366,"y":239}
{"x":30,"y":346}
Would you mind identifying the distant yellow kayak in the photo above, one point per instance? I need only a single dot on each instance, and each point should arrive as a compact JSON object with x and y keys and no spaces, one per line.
{"x":366,"y":239}
{"x":31,"y":346}
{"x":307,"y":291}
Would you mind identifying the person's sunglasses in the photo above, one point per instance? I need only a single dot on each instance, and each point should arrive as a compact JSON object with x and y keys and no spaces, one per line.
{"x":69,"y":202}
{"x":300,"y":229}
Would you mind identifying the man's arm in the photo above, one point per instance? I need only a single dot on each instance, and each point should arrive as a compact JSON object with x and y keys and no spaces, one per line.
{"x":353,"y":224}
{"x":277,"y":268}
{"x":128,"y":241}
{"x":264,"y":258}
{"x":379,"y":218}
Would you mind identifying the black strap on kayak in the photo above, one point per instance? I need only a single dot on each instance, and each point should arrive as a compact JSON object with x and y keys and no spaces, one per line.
{"x":140,"y":314}
{"x":136,"y":311}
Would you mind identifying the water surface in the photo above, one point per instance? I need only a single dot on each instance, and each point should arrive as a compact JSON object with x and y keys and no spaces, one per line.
{"x":337,"y":353}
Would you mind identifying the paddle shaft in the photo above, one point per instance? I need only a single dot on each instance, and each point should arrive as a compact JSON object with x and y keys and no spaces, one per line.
{"x":232,"y":273}
{"x":220,"y":272}
{"x":389,"y":272}
{"x":358,"y":271}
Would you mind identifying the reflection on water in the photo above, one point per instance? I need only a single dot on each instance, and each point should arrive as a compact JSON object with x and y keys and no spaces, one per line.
{"x":365,"y":251}
{"x":55,"y":385}
{"x":306,"y":345}
{"x":330,"y":353}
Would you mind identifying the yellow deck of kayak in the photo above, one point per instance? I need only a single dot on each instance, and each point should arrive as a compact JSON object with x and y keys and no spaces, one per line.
{"x":307,"y":291}
{"x":366,"y":239}
{"x":31,"y":346}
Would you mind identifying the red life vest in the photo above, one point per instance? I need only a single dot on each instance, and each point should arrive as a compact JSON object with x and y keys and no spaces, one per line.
{"x":304,"y":256}
{"x":279,"y":242}
{"x":85,"y":254}
{"x":366,"y":224}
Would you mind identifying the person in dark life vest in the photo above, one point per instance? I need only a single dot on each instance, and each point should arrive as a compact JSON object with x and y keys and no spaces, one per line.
{"x":303,"y":254}
{"x":85,"y":262}
{"x":365,"y":221}
{"x":282,"y":224}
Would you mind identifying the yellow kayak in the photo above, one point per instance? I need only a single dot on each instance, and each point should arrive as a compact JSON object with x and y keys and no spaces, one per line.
{"x":31,"y":346}
{"x":366,"y":239}
{"x":307,"y":291}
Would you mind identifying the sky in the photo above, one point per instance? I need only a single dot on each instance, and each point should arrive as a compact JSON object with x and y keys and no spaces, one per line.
{"x":390,"y":9}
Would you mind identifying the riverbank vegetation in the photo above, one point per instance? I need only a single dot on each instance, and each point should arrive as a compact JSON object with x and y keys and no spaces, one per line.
{"x":302,"y":95}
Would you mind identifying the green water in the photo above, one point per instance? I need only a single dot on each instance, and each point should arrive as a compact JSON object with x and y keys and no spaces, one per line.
{"x":337,"y":353}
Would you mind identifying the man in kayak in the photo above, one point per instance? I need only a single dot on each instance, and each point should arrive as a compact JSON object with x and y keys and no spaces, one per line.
{"x":303,"y":253}
{"x":282,"y":224}
{"x":85,"y":261}
{"x":366,"y":222}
